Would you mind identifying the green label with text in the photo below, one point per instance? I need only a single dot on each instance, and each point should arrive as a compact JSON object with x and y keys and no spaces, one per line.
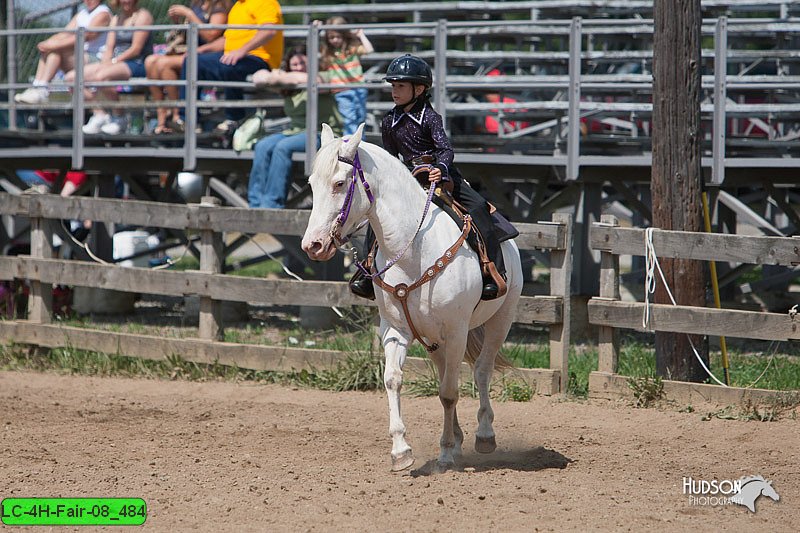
{"x":73,"y":511}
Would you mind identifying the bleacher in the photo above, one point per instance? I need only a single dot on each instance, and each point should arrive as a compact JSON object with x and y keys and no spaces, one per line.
{"x":527,"y":44}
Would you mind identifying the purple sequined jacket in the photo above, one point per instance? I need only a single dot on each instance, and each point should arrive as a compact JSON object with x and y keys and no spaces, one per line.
{"x":419,"y":132}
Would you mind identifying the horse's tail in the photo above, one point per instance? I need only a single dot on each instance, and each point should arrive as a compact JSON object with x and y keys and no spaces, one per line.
{"x":474,"y":346}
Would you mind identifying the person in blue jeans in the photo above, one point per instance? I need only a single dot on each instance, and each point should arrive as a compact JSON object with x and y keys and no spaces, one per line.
{"x":270,"y":175}
{"x":244,"y":53}
{"x":340,"y":54}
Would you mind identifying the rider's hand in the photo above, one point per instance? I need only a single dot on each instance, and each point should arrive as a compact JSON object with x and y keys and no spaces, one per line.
{"x":435,"y":175}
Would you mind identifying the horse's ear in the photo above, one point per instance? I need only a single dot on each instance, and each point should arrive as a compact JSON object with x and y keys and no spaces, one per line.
{"x":327,"y":134}
{"x":349,"y":148}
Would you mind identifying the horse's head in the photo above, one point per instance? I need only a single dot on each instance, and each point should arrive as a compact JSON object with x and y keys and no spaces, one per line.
{"x":768,"y":491}
{"x":339,"y":203}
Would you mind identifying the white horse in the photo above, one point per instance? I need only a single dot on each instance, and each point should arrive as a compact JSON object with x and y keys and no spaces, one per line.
{"x":445,"y":310}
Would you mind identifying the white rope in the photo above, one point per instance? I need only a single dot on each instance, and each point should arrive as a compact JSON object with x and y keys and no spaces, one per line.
{"x":288,"y":271}
{"x":85,"y":247}
{"x":652,"y":265}
{"x":769,"y":361}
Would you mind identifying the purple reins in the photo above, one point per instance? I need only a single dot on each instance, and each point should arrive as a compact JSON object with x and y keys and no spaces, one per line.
{"x":344,"y":213}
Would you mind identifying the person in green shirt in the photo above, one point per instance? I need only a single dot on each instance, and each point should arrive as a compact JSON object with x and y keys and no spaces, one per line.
{"x":270,"y":175}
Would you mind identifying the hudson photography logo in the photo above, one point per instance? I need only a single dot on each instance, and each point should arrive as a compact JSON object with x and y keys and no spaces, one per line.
{"x":715,"y":492}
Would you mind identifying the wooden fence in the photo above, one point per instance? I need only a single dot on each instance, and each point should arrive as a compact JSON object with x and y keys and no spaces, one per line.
{"x":610,"y":313}
{"x":213,"y":287}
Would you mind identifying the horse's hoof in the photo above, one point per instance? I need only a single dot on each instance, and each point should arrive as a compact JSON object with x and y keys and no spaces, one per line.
{"x":485,"y":444}
{"x":402,"y":461}
{"x":444,"y":466}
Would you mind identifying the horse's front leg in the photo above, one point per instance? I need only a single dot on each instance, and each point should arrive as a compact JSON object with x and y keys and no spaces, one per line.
{"x":395,"y":346}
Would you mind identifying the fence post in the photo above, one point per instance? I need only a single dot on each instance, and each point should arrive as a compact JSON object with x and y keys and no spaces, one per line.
{"x":561,"y":285}
{"x":574,"y":111}
{"x":211,"y":258}
{"x":40,"y":305}
{"x":440,"y":70}
{"x":608,"y":341}
{"x":78,"y":101}
{"x":720,"y":100}
{"x":190,"y":109}
{"x":11,"y":58}
{"x":312,"y":103}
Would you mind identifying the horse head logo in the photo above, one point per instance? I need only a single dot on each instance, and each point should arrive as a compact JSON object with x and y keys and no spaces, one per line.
{"x":751,"y":488}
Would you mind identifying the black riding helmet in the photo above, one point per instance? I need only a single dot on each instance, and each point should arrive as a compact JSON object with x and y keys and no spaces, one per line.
{"x":411,"y":69}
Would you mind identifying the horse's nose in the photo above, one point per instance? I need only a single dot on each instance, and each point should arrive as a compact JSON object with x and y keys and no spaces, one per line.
{"x":312,"y":248}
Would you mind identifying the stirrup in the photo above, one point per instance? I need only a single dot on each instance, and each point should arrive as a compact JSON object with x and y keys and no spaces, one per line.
{"x":494,"y":283}
{"x":490,"y":290}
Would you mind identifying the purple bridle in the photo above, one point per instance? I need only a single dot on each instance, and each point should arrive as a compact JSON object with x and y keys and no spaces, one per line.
{"x":344,"y":212}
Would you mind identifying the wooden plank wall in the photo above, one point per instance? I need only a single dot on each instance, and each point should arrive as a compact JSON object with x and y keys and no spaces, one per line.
{"x":213,"y":287}
{"x":611,"y":314}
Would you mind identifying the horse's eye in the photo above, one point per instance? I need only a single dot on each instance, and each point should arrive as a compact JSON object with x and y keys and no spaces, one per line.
{"x":338,"y":185}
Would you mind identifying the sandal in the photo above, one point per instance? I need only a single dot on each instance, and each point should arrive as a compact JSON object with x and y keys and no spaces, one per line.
{"x":162,"y":130}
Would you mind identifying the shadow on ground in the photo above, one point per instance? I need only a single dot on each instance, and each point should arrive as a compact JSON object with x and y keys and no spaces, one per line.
{"x":531,"y":460}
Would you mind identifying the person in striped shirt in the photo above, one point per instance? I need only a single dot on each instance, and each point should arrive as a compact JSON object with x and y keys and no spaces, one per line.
{"x":340,"y":56}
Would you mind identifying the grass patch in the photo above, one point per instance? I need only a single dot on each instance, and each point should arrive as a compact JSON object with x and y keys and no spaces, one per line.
{"x":515,"y":391}
{"x":771,"y":411}
{"x":258,"y":270}
{"x":780,"y":372}
{"x":68,"y":360}
{"x":358,"y":372}
{"x":646,"y":390}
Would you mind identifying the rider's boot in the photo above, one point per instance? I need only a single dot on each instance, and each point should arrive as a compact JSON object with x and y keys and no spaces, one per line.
{"x":362,"y":286}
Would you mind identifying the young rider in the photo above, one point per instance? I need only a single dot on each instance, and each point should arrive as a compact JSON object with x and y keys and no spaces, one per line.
{"x":414,"y":131}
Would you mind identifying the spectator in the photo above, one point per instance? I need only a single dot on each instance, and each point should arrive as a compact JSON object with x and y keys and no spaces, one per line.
{"x":492,"y":123}
{"x":123,"y":59}
{"x":45,"y":180}
{"x":168,"y":66}
{"x":58,"y":51}
{"x":244,"y":53}
{"x":270,"y":176}
{"x":340,"y":55}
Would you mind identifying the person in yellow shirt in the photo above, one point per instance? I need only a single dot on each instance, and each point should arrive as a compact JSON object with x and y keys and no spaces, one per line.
{"x":244,"y":52}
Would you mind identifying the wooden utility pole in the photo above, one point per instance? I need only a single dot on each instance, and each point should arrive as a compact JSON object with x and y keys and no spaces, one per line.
{"x":676,"y":181}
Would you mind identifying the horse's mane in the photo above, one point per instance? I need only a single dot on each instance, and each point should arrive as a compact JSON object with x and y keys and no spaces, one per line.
{"x":327,"y":158}
{"x":325,"y":162}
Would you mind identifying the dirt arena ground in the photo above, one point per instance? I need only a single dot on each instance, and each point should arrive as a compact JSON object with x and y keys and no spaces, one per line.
{"x":244,"y":457}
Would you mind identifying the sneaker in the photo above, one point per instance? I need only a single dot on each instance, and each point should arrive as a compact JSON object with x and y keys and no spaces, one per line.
{"x":32,"y":95}
{"x":37,"y":189}
{"x":115,"y":126}
{"x":228,"y":126}
{"x":95,"y":123}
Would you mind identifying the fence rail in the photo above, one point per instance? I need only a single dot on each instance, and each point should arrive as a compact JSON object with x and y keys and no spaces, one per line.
{"x":214,"y":287}
{"x":611,"y":314}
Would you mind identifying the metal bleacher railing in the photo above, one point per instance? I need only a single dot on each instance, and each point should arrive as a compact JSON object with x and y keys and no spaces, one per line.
{"x":579,"y":86}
